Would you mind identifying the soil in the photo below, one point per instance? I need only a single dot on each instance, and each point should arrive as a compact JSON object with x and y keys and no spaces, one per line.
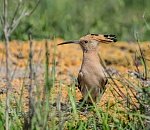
{"x":120,"y":58}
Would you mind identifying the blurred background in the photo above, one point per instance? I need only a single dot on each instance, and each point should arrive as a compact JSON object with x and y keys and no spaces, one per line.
{"x":70,"y":19}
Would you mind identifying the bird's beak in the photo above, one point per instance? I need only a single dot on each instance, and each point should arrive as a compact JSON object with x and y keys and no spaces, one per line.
{"x":108,"y":38}
{"x":69,"y":42}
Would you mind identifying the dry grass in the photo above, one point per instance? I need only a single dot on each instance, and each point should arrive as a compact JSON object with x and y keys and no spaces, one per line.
{"x":120,"y":57}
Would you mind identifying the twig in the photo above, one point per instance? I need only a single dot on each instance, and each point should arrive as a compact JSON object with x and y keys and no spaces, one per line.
{"x":8,"y":84}
{"x":47,"y":80}
{"x":121,"y":94}
{"x":8,"y":28}
{"x":136,"y":64}
{"x":15,"y":13}
{"x":36,"y":5}
{"x":13,"y":74}
{"x":15,"y":21}
{"x":142,"y":57}
{"x":30,"y":90}
{"x":2,"y":21}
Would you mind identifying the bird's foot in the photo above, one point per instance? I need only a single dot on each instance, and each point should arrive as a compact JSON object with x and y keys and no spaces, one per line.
{"x":84,"y":106}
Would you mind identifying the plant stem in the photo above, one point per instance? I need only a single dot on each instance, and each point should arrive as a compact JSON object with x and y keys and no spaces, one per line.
{"x":30,"y":90}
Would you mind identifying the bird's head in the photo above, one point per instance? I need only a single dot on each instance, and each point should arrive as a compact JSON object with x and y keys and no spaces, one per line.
{"x":91,"y":41}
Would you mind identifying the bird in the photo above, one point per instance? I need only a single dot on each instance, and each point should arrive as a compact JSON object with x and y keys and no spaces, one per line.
{"x":92,"y":76}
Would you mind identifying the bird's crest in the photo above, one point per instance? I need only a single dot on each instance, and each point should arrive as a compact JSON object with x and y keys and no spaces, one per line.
{"x":100,"y":37}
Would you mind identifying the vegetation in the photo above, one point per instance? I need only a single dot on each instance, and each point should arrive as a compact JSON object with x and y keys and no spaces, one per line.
{"x":130,"y":110}
{"x":35,"y":106}
{"x":73,"y":18}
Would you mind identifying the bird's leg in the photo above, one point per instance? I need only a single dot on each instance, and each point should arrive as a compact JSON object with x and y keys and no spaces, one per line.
{"x":84,"y":106}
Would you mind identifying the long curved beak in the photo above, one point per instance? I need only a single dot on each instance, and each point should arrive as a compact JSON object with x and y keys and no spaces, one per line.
{"x":69,"y":42}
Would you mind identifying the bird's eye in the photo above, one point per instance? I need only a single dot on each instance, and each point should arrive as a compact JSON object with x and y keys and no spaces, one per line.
{"x":85,"y":41}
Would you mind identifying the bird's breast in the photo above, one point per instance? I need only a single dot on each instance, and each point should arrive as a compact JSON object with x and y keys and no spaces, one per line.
{"x":93,"y":75}
{"x":92,"y":70}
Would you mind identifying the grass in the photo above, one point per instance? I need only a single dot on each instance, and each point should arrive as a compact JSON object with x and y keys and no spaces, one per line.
{"x":130,"y":111}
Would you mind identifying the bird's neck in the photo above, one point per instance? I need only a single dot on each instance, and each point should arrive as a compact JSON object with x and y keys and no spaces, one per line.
{"x":91,"y":56}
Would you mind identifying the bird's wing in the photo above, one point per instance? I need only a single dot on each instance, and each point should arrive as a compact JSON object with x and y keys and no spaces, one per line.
{"x":105,"y":81}
{"x":102,"y":85}
{"x":80,"y":80}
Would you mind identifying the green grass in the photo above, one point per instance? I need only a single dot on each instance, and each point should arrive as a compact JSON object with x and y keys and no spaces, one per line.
{"x":72,"y":19}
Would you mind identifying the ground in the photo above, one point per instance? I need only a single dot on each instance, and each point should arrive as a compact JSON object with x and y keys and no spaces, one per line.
{"x":120,"y":57}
